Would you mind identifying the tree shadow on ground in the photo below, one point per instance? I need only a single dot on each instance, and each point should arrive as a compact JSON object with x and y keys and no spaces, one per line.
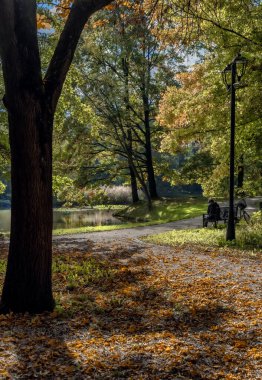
{"x":123,"y":305}
{"x":40,"y":350}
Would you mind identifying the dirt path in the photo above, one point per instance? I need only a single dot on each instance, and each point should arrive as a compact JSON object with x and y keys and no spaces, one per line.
{"x":131,"y":233}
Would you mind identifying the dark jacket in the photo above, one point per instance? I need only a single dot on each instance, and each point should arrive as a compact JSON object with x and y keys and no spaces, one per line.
{"x":213,"y":210}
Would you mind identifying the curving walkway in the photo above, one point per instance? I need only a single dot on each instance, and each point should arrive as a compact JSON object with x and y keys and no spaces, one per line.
{"x":131,"y":233}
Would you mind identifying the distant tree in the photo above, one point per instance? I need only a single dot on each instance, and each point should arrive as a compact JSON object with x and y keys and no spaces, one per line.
{"x":127,"y":68}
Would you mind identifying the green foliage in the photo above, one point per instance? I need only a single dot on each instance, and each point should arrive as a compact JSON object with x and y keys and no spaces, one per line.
{"x":2,"y":187}
{"x":198,"y":112}
{"x":121,"y":65}
{"x":66,"y":190}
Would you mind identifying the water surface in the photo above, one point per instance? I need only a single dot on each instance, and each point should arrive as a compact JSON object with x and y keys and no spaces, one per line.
{"x":70,"y":219}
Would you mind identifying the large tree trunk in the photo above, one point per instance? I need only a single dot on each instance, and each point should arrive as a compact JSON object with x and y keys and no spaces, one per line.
{"x":31,"y":104}
{"x":27,"y":284}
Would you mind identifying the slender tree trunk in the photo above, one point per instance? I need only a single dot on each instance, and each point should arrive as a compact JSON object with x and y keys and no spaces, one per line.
{"x":27,"y":285}
{"x":125,"y":67}
{"x":149,"y":159}
{"x":148,"y":145}
{"x":135,"y":197}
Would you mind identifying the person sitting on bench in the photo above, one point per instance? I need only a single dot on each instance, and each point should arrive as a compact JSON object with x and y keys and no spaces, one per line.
{"x":213,"y":212}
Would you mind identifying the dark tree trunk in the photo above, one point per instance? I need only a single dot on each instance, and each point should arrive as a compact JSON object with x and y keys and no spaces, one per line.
{"x":133,"y":181}
{"x":31,"y":104}
{"x":149,"y":159}
{"x":125,"y":67}
{"x":27,"y":285}
{"x":135,"y":197}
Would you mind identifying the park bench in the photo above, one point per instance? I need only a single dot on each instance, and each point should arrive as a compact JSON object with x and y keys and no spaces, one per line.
{"x":224,"y":211}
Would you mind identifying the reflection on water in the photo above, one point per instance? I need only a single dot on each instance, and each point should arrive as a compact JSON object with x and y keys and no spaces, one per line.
{"x":70,"y":219}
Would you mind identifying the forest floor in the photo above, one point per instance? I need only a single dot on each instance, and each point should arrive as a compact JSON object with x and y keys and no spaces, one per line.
{"x":127,"y":309}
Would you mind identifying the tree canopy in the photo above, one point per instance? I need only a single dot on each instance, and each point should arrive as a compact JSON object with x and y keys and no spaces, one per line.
{"x":197,"y":113}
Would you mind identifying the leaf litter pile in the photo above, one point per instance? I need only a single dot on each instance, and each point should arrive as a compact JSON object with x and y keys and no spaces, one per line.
{"x":131,"y":310}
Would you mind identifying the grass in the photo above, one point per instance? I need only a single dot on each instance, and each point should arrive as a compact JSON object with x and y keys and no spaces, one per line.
{"x":165,"y":210}
{"x":80,"y":272}
{"x":97,"y":207}
{"x":138,"y":215}
{"x":248,"y":236}
{"x":89,"y":229}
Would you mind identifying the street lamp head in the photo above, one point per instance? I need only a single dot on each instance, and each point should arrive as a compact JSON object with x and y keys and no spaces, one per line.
{"x":241,"y":64}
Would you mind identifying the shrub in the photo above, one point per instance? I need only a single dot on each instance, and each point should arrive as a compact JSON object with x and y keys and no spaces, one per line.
{"x":250,"y":235}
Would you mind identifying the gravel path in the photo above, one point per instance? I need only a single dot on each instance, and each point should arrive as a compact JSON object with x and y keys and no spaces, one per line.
{"x":131,"y":233}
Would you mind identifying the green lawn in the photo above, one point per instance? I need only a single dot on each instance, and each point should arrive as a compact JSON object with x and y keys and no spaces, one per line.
{"x":248,"y":236}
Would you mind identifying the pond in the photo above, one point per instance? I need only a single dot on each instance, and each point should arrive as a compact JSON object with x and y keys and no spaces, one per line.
{"x":70,"y":219}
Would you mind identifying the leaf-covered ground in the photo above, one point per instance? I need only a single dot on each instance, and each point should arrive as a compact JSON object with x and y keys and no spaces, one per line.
{"x":132,"y":310}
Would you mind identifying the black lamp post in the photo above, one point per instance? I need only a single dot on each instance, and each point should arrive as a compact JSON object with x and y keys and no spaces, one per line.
{"x":235,"y":70}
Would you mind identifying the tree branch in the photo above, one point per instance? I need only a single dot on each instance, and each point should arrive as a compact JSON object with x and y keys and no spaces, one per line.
{"x":59,"y":65}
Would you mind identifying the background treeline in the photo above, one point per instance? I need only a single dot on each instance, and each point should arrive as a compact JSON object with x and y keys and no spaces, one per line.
{"x":132,"y":113}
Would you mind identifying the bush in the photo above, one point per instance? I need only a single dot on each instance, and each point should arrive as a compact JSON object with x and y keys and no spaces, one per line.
{"x":250,"y":235}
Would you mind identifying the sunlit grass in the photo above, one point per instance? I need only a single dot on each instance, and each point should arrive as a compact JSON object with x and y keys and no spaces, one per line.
{"x":164,"y":211}
{"x":248,"y":236}
{"x":202,"y":236}
{"x":89,"y":229}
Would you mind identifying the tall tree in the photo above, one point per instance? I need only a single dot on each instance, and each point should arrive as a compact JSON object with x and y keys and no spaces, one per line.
{"x":133,"y":68}
{"x":198,"y":112}
{"x":31,"y":102}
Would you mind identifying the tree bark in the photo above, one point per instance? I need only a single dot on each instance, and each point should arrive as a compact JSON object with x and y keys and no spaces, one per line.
{"x":149,"y":159}
{"x":148,"y":146}
{"x":27,"y":285}
{"x":125,"y":67}
{"x":31,"y":104}
{"x":135,"y":197}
